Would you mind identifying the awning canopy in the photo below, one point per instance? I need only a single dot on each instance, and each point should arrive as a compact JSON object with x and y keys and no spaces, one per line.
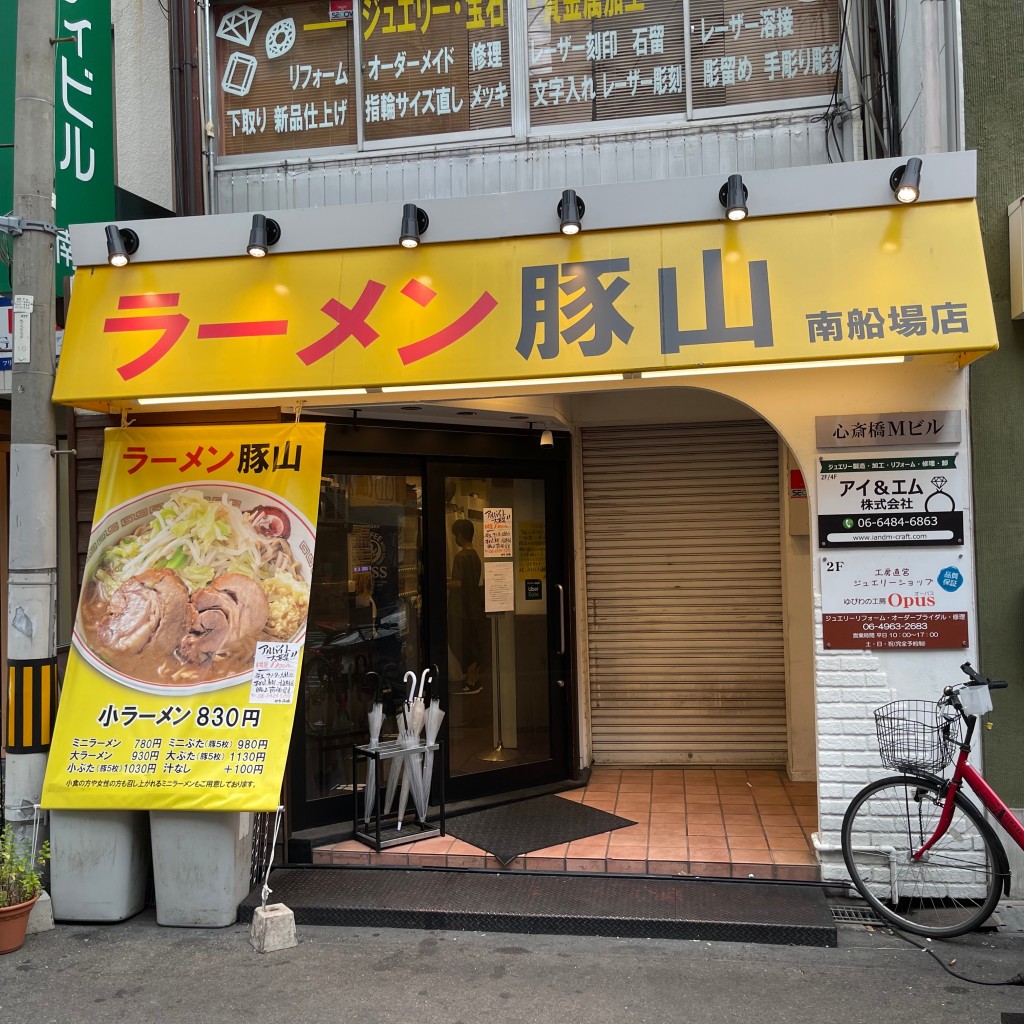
{"x":864,"y":284}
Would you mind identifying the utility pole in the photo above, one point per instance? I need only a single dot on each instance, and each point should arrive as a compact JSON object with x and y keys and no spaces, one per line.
{"x":32,"y":591}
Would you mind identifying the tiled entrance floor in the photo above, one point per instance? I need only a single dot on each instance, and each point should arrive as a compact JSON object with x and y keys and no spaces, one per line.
{"x":722,"y":823}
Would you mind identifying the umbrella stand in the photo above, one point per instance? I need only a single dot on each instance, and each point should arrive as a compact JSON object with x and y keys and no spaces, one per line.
{"x":382,"y":829}
{"x":411,"y":759}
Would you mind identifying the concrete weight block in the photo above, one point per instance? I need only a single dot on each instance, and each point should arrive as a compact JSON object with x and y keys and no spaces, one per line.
{"x":273,"y":928}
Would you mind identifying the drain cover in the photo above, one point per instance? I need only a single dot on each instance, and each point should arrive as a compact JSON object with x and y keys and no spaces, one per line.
{"x":855,"y":915}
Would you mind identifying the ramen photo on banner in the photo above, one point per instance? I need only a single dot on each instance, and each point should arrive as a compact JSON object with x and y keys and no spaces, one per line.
{"x":183,"y":673}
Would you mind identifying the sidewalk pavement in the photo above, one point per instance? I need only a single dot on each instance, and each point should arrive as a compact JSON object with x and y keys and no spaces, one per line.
{"x":137,"y":972}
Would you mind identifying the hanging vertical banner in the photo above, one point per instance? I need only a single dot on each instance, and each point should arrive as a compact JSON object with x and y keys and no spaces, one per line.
{"x":181,"y":685}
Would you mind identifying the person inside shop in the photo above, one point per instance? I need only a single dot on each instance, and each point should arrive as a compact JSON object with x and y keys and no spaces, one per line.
{"x":466,"y":607}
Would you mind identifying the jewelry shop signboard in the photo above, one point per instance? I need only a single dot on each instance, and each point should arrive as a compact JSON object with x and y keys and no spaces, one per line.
{"x":885,"y":599}
{"x":899,"y":498}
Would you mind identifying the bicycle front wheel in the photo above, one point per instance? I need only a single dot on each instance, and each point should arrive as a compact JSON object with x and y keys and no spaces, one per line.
{"x":952,"y":889}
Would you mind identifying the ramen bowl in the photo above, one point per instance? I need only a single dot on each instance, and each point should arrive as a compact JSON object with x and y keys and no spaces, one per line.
{"x":286,"y":552}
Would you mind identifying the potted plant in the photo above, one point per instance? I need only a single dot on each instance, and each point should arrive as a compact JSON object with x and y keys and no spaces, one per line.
{"x":20,"y":886}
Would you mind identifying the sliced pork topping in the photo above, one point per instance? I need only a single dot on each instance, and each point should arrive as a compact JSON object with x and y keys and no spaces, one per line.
{"x":148,"y":613}
{"x":228,"y":616}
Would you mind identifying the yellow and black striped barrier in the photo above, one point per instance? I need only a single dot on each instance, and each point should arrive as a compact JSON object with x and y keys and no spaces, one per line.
{"x":31,"y":705}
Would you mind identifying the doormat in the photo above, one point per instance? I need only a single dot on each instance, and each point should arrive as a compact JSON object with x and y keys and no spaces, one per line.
{"x":508,"y":831}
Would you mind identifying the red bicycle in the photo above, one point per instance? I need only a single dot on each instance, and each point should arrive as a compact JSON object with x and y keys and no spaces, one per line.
{"x":916,"y":846}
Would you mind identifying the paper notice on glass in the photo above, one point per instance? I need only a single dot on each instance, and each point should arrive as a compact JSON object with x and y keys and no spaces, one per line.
{"x":497,"y":533}
{"x":531,"y":562}
{"x":274,"y":672}
{"x":499,"y":587}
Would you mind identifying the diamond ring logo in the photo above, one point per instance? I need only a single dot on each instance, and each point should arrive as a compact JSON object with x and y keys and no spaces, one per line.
{"x":280,"y":38}
{"x":239,"y":25}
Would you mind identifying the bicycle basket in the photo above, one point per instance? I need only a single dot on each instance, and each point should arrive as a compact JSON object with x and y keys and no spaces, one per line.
{"x":916,"y":735}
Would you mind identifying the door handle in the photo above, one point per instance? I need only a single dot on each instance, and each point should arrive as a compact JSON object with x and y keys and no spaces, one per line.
{"x":561,"y":619}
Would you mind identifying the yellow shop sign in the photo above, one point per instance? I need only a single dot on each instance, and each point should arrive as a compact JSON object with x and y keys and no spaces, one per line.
{"x":891,"y":281}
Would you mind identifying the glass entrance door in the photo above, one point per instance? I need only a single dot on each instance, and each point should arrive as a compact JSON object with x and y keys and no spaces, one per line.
{"x":425,"y":561}
{"x":501,"y":640}
{"x":364,"y":629}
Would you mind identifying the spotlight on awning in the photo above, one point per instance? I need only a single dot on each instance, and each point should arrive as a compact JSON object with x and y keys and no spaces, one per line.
{"x":733,"y":196}
{"x":122,"y":244}
{"x":905,"y":181}
{"x":547,"y":439}
{"x":570,"y":210}
{"x":265,"y":233}
{"x":414,"y":223}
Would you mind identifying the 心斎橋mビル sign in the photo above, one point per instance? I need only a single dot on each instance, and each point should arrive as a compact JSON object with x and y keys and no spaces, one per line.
{"x":889,"y":429}
{"x":182,"y":679}
{"x":658,"y":298}
{"x":899,"y":499}
{"x":894,"y":600}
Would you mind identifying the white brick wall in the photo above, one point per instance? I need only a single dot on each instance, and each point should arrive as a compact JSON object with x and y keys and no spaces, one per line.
{"x":849,"y":686}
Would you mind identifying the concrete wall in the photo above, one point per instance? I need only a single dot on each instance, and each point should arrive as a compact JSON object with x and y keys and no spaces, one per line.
{"x":994,"y":91}
{"x":142,"y":100}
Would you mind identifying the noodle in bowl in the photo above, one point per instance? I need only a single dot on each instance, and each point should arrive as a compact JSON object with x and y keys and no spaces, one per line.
{"x":181,"y":583}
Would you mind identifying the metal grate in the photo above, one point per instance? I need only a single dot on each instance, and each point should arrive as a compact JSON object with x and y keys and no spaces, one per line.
{"x":855,"y":915}
{"x":552,"y":904}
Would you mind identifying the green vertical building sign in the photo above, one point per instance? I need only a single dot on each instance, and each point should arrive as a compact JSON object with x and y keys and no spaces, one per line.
{"x":83,"y":94}
{"x":83,"y":144}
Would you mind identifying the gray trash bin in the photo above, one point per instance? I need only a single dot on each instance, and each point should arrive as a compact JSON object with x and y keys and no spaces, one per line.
{"x":99,"y":864}
{"x":201,"y":866}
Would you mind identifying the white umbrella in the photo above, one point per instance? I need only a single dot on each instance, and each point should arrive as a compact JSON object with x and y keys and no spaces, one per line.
{"x":433,"y":726}
{"x":376,"y":720}
{"x":413,"y":682}
{"x":396,"y":762}
{"x":419,"y":794}
{"x":411,"y":778}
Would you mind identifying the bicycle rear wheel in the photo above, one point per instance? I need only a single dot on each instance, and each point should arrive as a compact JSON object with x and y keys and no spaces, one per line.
{"x":952,"y":889}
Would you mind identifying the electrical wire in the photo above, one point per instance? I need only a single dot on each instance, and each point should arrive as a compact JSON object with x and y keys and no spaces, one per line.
{"x":874,"y":133}
{"x":893,"y":90}
{"x":834,"y":109}
{"x":1017,"y":979}
{"x":884,"y":93}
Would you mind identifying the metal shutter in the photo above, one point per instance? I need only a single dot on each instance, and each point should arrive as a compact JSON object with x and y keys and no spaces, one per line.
{"x":684,"y":592}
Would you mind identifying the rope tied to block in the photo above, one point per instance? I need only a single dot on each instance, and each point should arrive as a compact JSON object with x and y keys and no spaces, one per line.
{"x":266,"y":890}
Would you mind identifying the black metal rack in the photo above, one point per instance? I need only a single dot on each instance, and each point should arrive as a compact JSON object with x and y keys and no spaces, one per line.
{"x":382,"y":830}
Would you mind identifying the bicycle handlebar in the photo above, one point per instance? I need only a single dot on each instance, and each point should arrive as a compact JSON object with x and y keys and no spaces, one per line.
{"x":977,"y":679}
